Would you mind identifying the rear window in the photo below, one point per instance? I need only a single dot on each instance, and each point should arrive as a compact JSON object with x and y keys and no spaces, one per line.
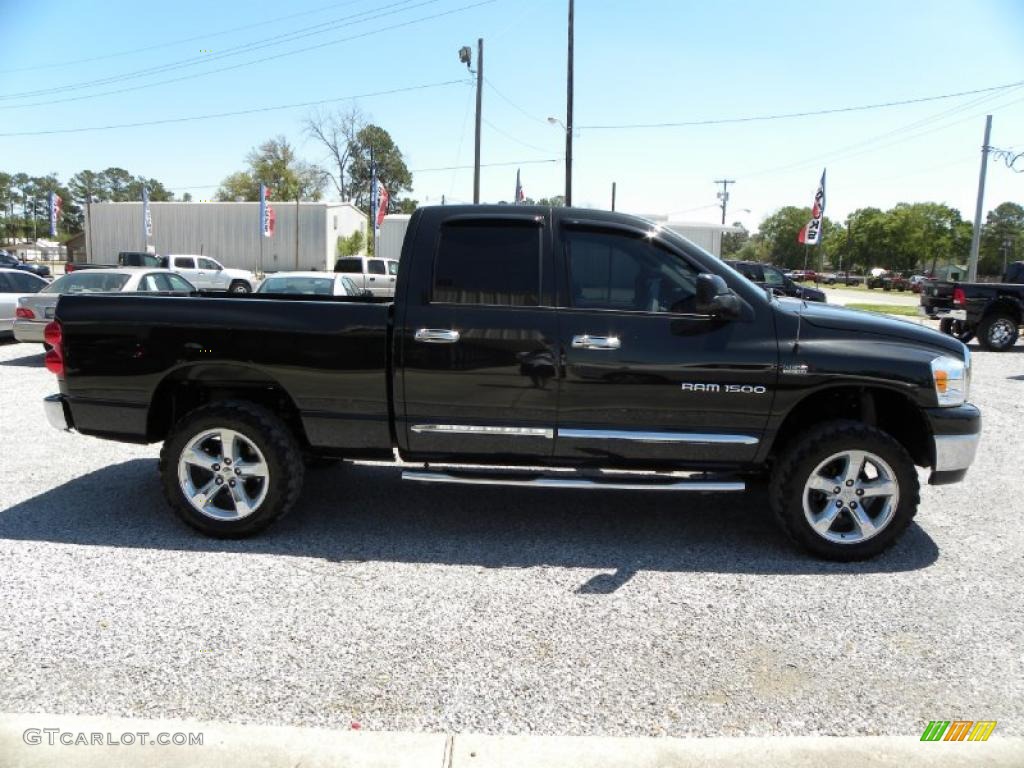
{"x":313,"y":286}
{"x":24,"y":283}
{"x":97,"y":281}
{"x":488,"y":263}
{"x":349,"y":266}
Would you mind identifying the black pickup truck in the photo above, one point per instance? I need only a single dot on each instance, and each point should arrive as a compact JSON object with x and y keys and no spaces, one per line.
{"x":993,"y":312}
{"x":539,"y":347}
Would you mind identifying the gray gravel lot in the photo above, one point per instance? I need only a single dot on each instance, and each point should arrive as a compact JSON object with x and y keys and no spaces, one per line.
{"x":501,"y":610}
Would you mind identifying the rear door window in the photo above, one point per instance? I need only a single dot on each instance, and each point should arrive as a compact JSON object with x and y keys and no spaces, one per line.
{"x":495,"y":263}
{"x":376,"y":267}
{"x":5,"y":285}
{"x":183,"y":262}
{"x":25,"y":283}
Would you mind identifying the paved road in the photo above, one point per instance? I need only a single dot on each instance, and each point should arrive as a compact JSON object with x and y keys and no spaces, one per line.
{"x":838,"y":295}
{"x":500,"y":611}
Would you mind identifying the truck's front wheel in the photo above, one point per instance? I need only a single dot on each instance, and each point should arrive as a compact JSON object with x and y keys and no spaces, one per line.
{"x":231,"y":468}
{"x":844,"y":490}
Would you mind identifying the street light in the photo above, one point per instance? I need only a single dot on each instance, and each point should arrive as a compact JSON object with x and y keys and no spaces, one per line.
{"x":466,"y":57}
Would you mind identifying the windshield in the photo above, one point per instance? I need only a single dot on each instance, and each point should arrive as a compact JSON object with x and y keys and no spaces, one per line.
{"x":316,"y":286}
{"x":99,"y":281}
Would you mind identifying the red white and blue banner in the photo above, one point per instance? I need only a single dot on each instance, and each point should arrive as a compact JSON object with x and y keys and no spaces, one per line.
{"x":267,"y":216}
{"x":382,"y":202}
{"x":520,"y":197}
{"x":147,"y":216}
{"x":811,"y":233}
{"x":55,"y":207}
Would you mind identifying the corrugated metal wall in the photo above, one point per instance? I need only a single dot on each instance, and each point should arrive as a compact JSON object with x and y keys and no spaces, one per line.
{"x":228,"y":232}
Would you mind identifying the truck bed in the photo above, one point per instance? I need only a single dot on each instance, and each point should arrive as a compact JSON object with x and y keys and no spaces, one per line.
{"x":126,"y":350}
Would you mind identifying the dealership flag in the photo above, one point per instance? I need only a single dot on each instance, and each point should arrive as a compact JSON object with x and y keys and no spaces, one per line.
{"x":267,"y":216}
{"x":55,"y":206}
{"x":147,"y":217}
{"x":811,"y":233}
{"x":519,"y":189}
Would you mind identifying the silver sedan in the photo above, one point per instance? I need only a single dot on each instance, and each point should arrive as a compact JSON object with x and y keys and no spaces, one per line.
{"x":311,"y":284}
{"x":15,"y":284}
{"x":34,"y":312}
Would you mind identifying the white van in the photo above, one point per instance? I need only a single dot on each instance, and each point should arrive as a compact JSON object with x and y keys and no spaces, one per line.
{"x":375,"y":275}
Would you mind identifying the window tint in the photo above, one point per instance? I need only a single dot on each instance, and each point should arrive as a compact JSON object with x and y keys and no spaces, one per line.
{"x":7,"y":260}
{"x":621,"y":271}
{"x":392,"y":267}
{"x":185,"y":263}
{"x":375,"y":266}
{"x":349,"y":266}
{"x":749,"y":271}
{"x":179,"y":283}
{"x":488,"y":263}
{"x":5,"y":285}
{"x":149,"y":284}
{"x":314,"y":286}
{"x":213,"y":266}
{"x":25,"y":283}
{"x":96,"y":281}
{"x":772,"y":276}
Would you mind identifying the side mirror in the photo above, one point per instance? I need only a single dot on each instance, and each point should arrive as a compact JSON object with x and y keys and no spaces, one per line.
{"x":714,"y":297}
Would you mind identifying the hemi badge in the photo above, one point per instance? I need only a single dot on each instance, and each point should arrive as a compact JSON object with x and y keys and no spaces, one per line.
{"x":794,"y":369}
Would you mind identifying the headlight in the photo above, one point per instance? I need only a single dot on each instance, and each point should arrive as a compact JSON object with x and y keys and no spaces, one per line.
{"x":952,"y":379}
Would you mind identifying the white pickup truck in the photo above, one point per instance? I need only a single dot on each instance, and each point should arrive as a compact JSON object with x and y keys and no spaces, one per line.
{"x":208,"y":274}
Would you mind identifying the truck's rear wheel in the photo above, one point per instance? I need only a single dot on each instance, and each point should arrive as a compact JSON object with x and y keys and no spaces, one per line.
{"x":845,"y":491}
{"x":997,"y":332}
{"x":240,"y":286}
{"x":231,"y":468}
{"x":955,"y":328}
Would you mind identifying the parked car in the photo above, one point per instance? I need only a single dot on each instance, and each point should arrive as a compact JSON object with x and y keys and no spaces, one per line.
{"x":376,"y":275}
{"x":917,"y":283}
{"x":803,"y":275}
{"x":124,"y":259}
{"x":993,"y":312}
{"x":9,"y":261}
{"x":14,"y":284}
{"x":889,"y":281}
{"x":311,"y":284}
{"x":768,"y":276}
{"x":34,"y":312}
{"x":208,"y":274}
{"x":562,"y":338}
{"x":843,"y":278}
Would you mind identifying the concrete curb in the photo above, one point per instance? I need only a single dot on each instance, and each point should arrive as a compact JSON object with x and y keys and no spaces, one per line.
{"x":255,"y":746}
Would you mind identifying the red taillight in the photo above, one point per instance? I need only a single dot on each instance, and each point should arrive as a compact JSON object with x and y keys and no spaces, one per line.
{"x":24,"y":313}
{"x":958,"y":297}
{"x":54,"y":336}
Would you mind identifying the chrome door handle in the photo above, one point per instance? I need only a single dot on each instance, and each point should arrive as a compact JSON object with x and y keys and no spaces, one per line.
{"x":436,"y":336}
{"x":587,"y":341}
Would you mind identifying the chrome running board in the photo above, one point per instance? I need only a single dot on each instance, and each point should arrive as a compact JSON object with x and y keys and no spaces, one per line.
{"x":615,"y":483}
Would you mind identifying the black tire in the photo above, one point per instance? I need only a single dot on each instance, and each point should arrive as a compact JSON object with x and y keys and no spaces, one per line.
{"x":240,"y":286}
{"x":262,"y":429}
{"x":955,"y":328}
{"x":798,"y":461}
{"x":997,"y":332}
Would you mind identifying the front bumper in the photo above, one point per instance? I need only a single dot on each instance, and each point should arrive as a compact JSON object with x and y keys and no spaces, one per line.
{"x":57,"y":413}
{"x":956,"y":433}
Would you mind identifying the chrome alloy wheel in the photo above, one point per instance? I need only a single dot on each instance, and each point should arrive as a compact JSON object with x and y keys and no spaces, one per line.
{"x":850,"y":497}
{"x":1000,"y":332}
{"x":223,"y":474}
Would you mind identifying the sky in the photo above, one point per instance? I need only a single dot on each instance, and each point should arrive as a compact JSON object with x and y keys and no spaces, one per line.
{"x":73,"y":65}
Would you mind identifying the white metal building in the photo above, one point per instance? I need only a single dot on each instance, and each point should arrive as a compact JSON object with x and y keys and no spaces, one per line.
{"x":707,"y":236}
{"x":305,"y":234}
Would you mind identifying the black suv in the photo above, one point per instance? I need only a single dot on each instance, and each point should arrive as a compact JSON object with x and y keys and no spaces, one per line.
{"x":8,"y":261}
{"x":771,"y":277}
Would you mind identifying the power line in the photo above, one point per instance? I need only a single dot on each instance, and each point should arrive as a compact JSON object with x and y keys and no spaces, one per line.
{"x":235,"y":113}
{"x":510,"y":137}
{"x":486,"y":165}
{"x":511,"y":103}
{"x":180,"y":41}
{"x":267,"y":42}
{"x":788,"y":115}
{"x":264,"y":59}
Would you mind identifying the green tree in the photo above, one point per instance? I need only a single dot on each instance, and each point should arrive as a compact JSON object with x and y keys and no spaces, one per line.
{"x":352,"y":245}
{"x":1002,"y":238}
{"x":275,"y":164}
{"x":780,"y":231}
{"x":391,"y":169}
{"x":732,"y":242}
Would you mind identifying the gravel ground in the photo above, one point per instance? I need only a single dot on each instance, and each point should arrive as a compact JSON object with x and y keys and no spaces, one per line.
{"x":498,"y":610}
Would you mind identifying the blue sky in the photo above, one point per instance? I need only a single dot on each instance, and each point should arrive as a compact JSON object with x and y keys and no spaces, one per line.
{"x":638,"y":62}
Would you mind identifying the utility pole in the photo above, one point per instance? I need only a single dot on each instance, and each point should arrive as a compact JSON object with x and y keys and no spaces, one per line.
{"x":613,"y":195}
{"x":724,"y":195}
{"x":296,"y":231}
{"x":479,"y":103}
{"x":568,"y":112}
{"x":972,"y":264}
